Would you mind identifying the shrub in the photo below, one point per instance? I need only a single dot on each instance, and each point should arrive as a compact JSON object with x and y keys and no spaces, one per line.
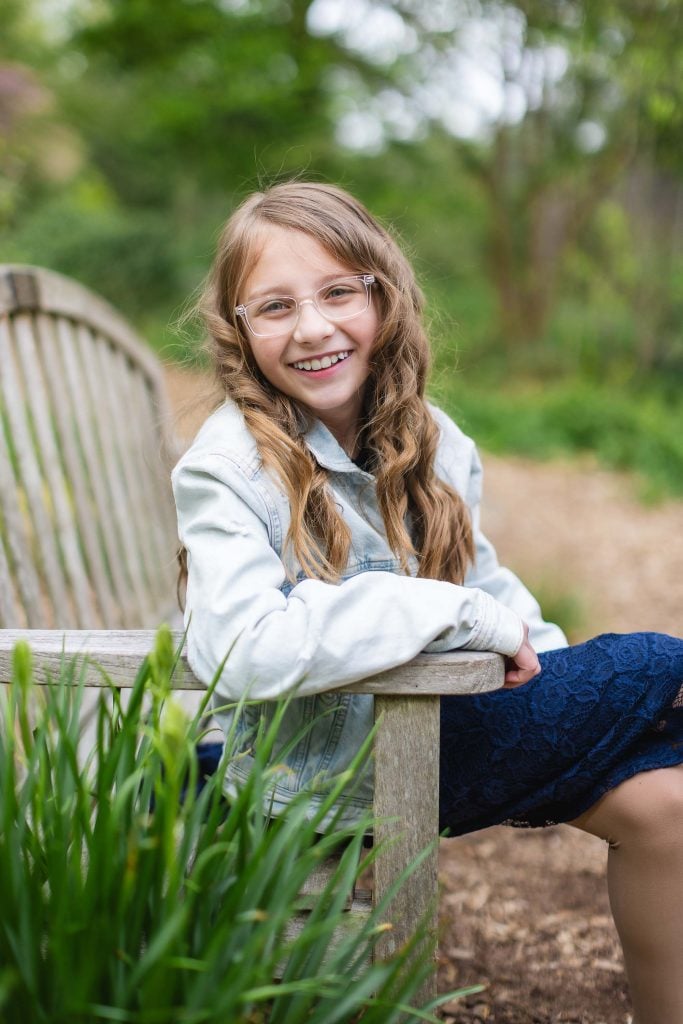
{"x":626,"y":431}
{"x":127,"y":256}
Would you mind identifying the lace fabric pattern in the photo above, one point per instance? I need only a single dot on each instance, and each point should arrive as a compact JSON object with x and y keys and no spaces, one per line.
{"x":542,"y":753}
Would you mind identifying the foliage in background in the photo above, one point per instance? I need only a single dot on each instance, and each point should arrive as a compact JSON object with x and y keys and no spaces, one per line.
{"x":126,"y":896}
{"x":566,"y":607}
{"x":542,"y":421}
{"x":528,"y":152}
{"x":95,"y":242}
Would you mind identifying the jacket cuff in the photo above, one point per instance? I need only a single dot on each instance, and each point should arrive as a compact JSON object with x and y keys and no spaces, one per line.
{"x":496,"y":627}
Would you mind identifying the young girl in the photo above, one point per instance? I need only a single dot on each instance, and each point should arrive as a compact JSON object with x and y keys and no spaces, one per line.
{"x":330,"y":518}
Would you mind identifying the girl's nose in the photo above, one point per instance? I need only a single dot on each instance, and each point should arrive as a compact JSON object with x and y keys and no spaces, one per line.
{"x":311,"y":325}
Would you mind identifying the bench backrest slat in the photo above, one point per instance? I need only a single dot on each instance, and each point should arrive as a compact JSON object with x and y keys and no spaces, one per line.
{"x":154,"y":521}
{"x":37,"y":385}
{"x":108,"y":467}
{"x":88,"y":524}
{"x":35,"y":512}
{"x":22,"y":582}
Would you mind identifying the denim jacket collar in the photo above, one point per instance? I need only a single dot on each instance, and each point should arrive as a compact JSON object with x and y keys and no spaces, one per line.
{"x":329,"y":453}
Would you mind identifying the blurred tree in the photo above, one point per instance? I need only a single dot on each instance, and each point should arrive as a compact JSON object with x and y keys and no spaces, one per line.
{"x":38,"y":150}
{"x":200,"y":95}
{"x":633,"y":250}
{"x":492,"y":131}
{"x":616,"y":107}
{"x":548,"y":104}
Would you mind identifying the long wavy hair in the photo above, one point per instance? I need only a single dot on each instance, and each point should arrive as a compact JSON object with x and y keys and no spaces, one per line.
{"x":423,"y":516}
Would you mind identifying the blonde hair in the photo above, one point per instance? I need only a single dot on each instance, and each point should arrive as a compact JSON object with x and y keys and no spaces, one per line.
{"x":398,"y":429}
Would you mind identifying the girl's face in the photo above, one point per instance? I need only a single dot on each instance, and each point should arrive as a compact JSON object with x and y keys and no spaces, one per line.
{"x":295,"y":264}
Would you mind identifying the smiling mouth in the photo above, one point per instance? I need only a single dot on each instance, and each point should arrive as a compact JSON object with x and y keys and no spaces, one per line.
{"x":321,"y":364}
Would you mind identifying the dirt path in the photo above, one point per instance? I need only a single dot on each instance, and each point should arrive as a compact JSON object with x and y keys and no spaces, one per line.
{"x":525,"y":913}
{"x":579,"y":529}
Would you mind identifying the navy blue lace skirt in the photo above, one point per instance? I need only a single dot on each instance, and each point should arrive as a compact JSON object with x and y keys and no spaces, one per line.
{"x":543,"y":753}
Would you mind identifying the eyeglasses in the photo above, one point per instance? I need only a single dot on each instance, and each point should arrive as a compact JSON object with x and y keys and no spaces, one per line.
{"x":279,"y":314}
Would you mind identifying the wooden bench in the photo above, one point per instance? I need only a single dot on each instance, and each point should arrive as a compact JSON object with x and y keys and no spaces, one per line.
{"x":87,"y":552}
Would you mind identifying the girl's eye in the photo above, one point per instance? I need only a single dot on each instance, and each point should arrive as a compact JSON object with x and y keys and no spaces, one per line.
{"x":340,"y":290}
{"x":274,"y":307}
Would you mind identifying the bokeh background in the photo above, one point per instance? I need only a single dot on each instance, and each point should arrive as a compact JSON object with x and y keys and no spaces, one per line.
{"x":529,"y":155}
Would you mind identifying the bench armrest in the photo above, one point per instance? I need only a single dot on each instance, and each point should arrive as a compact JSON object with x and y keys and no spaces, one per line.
{"x":120,"y":653}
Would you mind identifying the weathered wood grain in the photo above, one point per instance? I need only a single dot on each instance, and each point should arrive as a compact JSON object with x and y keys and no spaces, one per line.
{"x":24,"y":606}
{"x":354,"y":918}
{"x":36,"y":520}
{"x":40,"y":403}
{"x":121,"y":652}
{"x":87,"y":526}
{"x":406,"y":809}
{"x":29,"y":288}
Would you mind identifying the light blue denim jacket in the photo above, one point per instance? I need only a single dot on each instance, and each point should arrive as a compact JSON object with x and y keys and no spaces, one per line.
{"x":313,"y":637}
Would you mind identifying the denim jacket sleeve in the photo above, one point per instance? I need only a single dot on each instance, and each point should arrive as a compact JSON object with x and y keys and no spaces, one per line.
{"x":265,"y":639}
{"x":486,"y":573}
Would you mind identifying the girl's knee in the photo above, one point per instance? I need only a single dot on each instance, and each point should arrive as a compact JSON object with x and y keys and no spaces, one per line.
{"x":647,"y":807}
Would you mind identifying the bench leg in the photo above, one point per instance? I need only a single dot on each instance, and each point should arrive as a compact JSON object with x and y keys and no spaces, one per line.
{"x":407,"y":790}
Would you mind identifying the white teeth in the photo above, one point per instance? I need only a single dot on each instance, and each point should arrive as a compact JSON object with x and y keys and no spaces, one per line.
{"x":321,"y":364}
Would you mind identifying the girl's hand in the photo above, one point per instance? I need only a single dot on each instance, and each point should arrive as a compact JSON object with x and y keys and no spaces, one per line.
{"x":522,"y":666}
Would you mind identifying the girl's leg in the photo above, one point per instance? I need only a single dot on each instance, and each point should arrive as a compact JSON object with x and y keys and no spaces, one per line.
{"x":642,"y":820}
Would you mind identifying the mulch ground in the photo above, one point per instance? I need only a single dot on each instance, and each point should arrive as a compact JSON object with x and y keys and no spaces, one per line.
{"x":524,"y":913}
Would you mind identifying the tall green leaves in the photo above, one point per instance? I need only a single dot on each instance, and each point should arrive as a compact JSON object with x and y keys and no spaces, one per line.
{"x":126,"y":894}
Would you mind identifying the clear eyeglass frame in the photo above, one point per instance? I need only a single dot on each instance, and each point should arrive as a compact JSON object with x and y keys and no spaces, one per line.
{"x":243,"y":309}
